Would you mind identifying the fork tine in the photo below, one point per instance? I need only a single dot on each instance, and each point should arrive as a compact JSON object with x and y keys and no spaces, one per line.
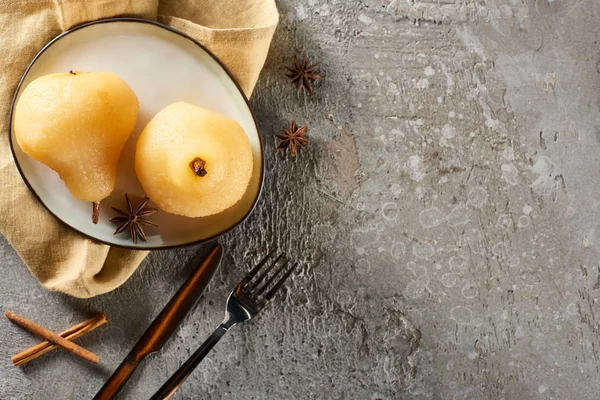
{"x":264,"y":273}
{"x":257,"y":292}
{"x":280,"y":283}
{"x":255,"y":270}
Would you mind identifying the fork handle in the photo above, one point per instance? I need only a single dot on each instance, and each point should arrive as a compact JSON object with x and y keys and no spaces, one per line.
{"x":176,"y":380}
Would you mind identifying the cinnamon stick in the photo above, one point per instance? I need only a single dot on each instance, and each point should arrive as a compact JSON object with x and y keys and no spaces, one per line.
{"x":51,"y":336}
{"x":70,"y":334}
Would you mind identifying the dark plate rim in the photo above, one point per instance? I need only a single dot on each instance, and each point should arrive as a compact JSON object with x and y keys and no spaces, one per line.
{"x":173,"y":30}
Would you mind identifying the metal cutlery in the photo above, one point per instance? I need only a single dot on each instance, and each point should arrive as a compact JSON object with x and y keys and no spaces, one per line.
{"x":164,"y":325}
{"x":249,"y":297}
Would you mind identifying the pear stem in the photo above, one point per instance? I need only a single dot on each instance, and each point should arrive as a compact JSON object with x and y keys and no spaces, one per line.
{"x":197,"y":165}
{"x":95,"y":211}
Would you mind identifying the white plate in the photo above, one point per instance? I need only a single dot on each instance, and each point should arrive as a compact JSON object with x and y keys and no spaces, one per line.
{"x":162,"y":66}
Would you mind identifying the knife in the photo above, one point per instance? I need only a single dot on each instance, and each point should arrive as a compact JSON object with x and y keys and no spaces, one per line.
{"x":164,"y":325}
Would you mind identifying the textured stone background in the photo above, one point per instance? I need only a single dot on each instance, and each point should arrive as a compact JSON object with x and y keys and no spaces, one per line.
{"x":445,"y":211}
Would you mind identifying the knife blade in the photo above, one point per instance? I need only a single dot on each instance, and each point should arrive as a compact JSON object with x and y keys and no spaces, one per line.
{"x":164,"y":324}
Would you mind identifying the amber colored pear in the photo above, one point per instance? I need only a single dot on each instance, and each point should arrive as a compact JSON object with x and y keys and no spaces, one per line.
{"x":193,"y":162}
{"x":77,"y":124}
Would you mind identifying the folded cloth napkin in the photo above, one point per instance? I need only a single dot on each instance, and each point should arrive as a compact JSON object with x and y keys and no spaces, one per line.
{"x":237,"y":31}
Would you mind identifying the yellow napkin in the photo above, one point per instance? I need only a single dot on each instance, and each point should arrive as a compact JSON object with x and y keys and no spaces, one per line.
{"x":237,"y":31}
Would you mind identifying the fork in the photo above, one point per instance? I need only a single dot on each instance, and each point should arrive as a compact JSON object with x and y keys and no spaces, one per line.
{"x":249,"y":297}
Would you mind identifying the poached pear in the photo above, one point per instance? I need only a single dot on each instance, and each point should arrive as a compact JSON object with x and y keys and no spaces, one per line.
{"x":77,"y":124}
{"x":192,"y":161}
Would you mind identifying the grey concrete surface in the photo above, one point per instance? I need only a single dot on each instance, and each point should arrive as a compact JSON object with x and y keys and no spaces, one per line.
{"x":446,"y":212}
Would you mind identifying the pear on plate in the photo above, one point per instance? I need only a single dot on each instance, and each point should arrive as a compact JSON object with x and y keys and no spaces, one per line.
{"x":77,"y":124}
{"x":192,"y":161}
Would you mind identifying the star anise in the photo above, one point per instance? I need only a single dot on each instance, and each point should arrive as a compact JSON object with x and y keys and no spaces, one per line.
{"x":130,"y":218}
{"x":302,"y":74}
{"x":293,"y":138}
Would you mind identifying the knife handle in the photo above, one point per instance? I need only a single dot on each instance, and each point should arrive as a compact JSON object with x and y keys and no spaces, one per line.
{"x":117,"y":380}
